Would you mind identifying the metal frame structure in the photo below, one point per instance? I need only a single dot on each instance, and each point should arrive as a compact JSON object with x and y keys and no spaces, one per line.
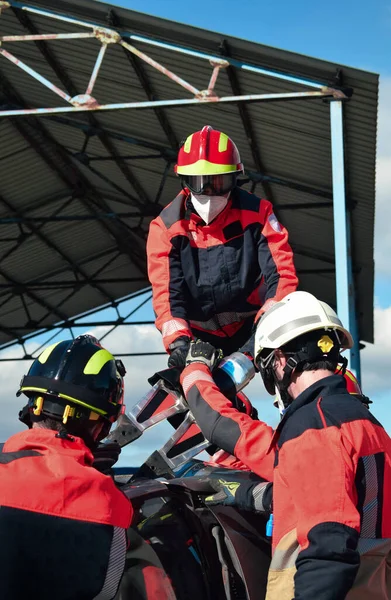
{"x":72,"y":102}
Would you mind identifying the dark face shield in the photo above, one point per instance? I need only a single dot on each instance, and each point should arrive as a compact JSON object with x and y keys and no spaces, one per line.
{"x":210,"y":185}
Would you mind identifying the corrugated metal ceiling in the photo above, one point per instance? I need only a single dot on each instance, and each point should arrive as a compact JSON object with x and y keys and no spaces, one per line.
{"x":49,"y":168}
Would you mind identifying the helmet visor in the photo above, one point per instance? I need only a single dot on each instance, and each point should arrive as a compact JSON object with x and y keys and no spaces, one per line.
{"x":211,"y":185}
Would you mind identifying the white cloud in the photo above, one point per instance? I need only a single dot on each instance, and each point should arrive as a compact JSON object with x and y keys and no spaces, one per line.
{"x":376,"y":357}
{"x":383,"y":182}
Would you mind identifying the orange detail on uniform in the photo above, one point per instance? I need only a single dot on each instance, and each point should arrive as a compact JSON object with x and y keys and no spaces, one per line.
{"x":352,"y":384}
{"x":209,"y":145}
{"x":258,"y":436}
{"x":38,"y":484}
{"x":157,"y":584}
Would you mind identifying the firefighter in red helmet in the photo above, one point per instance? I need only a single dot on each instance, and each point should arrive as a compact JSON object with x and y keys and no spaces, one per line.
{"x":217,"y":256}
{"x":352,"y":385}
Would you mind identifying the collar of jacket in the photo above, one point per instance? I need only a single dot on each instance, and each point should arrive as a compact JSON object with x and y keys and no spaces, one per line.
{"x":334,"y":384}
{"x":44,"y":440}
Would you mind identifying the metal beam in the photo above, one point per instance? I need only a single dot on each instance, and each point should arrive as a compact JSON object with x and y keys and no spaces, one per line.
{"x":346,"y":298}
{"x":116,"y":354}
{"x":159,"y":112}
{"x":246,"y":120}
{"x":303,"y":205}
{"x":170,"y":156}
{"x":50,"y":244}
{"x":66,"y":283}
{"x":175,"y":103}
{"x":24,"y":219}
{"x":67,"y":82}
{"x":73,"y":324}
{"x":166,"y":152}
{"x":138,"y":68}
{"x":58,"y":160}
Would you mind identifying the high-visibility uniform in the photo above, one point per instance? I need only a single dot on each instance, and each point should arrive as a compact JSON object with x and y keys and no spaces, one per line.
{"x":62,"y":523}
{"x":213,"y":281}
{"x":330,"y":461}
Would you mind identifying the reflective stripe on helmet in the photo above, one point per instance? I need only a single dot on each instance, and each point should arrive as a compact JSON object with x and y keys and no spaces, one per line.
{"x":65,"y":397}
{"x":46,"y":353}
{"x":204,"y":167}
{"x":97,"y":362}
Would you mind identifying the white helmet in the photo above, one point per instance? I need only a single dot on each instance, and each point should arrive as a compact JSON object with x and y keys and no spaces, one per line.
{"x":296,"y":314}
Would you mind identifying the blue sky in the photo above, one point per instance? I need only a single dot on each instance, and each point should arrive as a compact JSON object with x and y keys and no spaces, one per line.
{"x":354,"y":33}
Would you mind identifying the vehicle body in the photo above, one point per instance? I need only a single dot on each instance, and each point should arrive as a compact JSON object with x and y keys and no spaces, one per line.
{"x":207,"y":551}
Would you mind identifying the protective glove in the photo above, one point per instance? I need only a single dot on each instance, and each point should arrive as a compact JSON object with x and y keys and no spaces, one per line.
{"x":245,"y":494}
{"x":105,"y":456}
{"x":178,"y":352}
{"x":203,"y":352}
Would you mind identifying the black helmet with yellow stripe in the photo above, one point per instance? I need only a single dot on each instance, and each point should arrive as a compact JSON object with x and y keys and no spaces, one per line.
{"x":74,"y":379}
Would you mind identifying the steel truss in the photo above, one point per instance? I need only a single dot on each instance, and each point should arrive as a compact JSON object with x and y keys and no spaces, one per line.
{"x":86,"y":323}
{"x":73,"y":102}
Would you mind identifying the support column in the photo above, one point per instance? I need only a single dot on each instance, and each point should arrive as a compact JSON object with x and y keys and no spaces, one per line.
{"x":346,"y":299}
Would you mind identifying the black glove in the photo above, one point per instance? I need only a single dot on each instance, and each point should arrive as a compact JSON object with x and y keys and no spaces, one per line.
{"x":178,"y":352}
{"x":105,"y":456}
{"x":203,"y":352}
{"x":247,"y":495}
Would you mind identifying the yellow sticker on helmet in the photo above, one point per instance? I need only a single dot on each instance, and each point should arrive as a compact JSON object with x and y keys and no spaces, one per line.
{"x":46,"y":353}
{"x":325,"y":344}
{"x":97,"y":362}
{"x":223,"y":142}
{"x":187,"y":144}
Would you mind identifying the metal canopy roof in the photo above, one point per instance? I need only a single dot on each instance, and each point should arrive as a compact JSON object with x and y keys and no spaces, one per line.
{"x":79,"y":185}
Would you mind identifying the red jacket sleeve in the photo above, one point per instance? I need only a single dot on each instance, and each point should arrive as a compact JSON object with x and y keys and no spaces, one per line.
{"x":319,"y":472}
{"x":164,"y":266}
{"x":223,"y":425}
{"x":275,"y":258}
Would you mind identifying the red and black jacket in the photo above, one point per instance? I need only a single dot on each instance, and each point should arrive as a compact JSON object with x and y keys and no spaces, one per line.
{"x":211,"y":281}
{"x":62,"y":523}
{"x":330,"y":461}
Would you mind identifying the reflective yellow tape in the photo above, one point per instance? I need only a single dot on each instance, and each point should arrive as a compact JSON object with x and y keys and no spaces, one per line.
{"x":76,"y":401}
{"x":65,"y":397}
{"x":97,"y":362}
{"x":46,"y":353}
{"x":223,"y":142}
{"x":204,"y":167}
{"x":187,"y":144}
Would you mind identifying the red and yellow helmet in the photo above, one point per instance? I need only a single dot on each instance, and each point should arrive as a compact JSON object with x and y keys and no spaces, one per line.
{"x":352,"y":384}
{"x":208,"y":159}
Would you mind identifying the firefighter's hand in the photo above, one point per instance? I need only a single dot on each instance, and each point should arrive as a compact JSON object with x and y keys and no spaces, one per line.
{"x":247,"y":495}
{"x":178,"y":352}
{"x":105,"y":456}
{"x":203,"y":352}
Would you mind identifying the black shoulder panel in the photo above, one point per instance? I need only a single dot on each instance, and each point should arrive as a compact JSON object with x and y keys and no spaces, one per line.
{"x":174,"y":212}
{"x":245,"y":201}
{"x":345,"y":408}
{"x":62,"y":558}
{"x":7,"y":457}
{"x":336,"y":409}
{"x":306,"y":417}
